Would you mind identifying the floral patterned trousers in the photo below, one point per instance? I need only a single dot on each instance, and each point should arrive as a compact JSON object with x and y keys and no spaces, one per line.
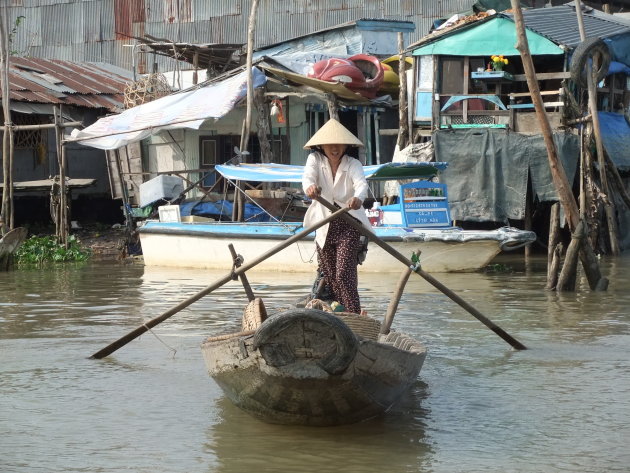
{"x":338,"y":262}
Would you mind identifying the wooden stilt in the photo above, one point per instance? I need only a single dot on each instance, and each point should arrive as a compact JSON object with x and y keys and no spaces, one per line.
{"x":563,"y":188}
{"x":566,"y":281}
{"x":333,"y":106}
{"x":552,"y":247}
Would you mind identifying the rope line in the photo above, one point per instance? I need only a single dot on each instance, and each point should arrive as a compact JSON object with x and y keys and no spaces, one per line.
{"x":160,"y":340}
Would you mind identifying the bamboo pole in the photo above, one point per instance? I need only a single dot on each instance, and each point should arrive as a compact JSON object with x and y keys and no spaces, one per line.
{"x":44,"y":126}
{"x":333,"y":106}
{"x":6,"y":210}
{"x":559,"y":177}
{"x":287,"y":117}
{"x":62,"y":219}
{"x":553,"y":247}
{"x":247,"y":124}
{"x":263,"y":127}
{"x":609,"y":206}
{"x":566,"y":280}
{"x":238,"y":211}
{"x":403,"y":122}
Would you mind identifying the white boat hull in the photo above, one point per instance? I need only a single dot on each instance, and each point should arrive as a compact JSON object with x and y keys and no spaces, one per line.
{"x":188,"y":245}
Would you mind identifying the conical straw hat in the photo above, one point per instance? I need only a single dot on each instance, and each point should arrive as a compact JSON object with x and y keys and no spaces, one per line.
{"x":333,"y":133}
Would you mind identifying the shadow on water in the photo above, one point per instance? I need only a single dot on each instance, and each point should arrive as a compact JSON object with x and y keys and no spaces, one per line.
{"x":396,"y":442}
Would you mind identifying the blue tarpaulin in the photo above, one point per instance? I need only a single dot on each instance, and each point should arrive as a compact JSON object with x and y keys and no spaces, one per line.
{"x":293,"y":173}
{"x":222,"y":210}
{"x":615,"y":132}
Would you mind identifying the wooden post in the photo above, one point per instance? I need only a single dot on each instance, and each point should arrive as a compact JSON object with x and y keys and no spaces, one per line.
{"x":609,"y":205}
{"x":566,"y":281}
{"x":250,"y":85}
{"x":618,"y":181}
{"x":403,"y":123}
{"x":528,"y":219}
{"x":262,"y":126}
{"x":553,"y":257}
{"x":287,"y":117}
{"x":195,"y":67}
{"x":62,"y":220}
{"x":6,"y":210}
{"x":559,"y":177}
{"x":239,"y":205}
{"x":333,"y":106}
{"x":592,"y":105}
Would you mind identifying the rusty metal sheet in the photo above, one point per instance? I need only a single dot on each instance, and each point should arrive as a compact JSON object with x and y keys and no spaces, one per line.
{"x":65,"y":82}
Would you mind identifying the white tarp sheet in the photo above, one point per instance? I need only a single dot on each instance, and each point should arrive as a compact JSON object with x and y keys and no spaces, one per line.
{"x":187,"y":109}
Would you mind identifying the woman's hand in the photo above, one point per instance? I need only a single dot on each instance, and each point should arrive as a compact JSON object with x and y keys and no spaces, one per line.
{"x":355,"y":203}
{"x":313,"y":191}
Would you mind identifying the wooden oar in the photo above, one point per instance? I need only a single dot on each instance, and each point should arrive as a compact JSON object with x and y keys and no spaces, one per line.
{"x":218,"y":283}
{"x":430,"y":279}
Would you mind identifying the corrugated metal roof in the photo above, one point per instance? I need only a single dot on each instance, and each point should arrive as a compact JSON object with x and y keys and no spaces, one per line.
{"x":91,"y":85}
{"x":96,"y":29}
{"x":559,"y":24}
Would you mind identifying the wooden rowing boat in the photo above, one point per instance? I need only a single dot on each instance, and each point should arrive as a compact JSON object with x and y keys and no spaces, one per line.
{"x":313,"y":367}
{"x":9,"y":244}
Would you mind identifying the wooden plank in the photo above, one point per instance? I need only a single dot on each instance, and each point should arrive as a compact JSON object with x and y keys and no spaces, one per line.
{"x":528,"y":94}
{"x":531,"y":105}
{"x":544,"y":76}
{"x":45,"y":184}
{"x":388,"y":131}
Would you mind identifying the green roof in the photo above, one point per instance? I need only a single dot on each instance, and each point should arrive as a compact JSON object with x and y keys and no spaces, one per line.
{"x":495,"y":36}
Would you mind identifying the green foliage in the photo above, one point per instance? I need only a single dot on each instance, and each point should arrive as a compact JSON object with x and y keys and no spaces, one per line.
{"x":37,"y":250}
{"x":13,"y":32}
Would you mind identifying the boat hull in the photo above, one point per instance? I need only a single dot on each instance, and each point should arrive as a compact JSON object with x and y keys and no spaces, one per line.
{"x":302,"y":390}
{"x":206,"y":246}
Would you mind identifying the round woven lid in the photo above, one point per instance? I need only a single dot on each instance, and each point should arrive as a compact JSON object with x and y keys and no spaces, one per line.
{"x":333,"y":133}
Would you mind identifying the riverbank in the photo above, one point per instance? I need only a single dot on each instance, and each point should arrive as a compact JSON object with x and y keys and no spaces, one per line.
{"x":104,"y":242}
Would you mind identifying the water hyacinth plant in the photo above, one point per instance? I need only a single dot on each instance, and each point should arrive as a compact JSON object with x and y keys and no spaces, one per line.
{"x":40,"y":249}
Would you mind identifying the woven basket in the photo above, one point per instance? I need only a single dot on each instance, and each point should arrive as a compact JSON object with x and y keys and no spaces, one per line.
{"x":362,"y":325}
{"x":254,"y":314}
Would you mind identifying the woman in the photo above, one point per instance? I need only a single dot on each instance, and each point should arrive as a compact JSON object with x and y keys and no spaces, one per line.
{"x":339,"y":179}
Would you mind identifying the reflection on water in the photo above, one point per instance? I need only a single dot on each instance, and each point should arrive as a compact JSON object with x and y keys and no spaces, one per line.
{"x":245,"y":444}
{"x":562,"y":405}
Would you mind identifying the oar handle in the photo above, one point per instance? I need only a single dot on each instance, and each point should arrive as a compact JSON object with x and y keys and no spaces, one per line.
{"x":430,"y":279}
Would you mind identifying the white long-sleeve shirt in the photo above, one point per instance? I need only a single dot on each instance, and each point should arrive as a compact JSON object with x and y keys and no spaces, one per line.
{"x":349,"y":182}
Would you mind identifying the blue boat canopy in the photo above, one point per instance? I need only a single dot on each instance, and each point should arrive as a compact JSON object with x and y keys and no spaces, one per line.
{"x":293,"y":173}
